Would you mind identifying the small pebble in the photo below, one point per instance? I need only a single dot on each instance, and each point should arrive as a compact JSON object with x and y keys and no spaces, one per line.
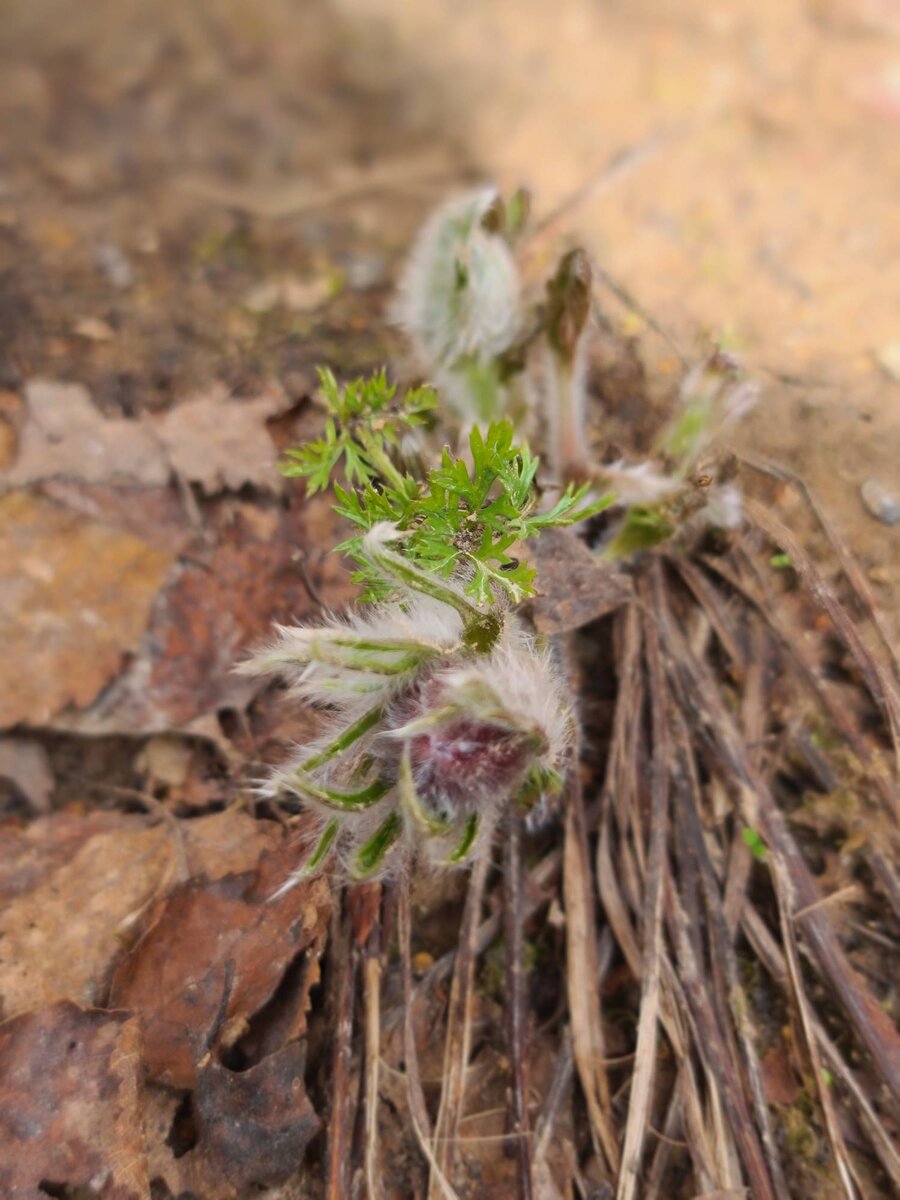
{"x":883,"y":504}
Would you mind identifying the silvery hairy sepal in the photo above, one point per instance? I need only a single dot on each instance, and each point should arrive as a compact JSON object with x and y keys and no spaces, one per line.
{"x":432,"y":733}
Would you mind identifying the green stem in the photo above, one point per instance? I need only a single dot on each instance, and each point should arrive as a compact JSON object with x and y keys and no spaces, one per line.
{"x":323,"y":846}
{"x":379,"y":459}
{"x":481,"y":629}
{"x":332,"y":655}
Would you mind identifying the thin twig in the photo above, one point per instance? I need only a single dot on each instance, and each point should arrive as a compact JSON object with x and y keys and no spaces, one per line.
{"x":648,"y":1021}
{"x":372,"y":997}
{"x":726,"y":976}
{"x":854,"y":573}
{"x":708,"y":715}
{"x":459,"y":1032}
{"x":879,"y":683}
{"x":516,"y":1006}
{"x":786,"y":902}
{"x":340,"y":1126}
{"x":770,"y":955}
{"x":418,"y":1109}
{"x":542,"y":875}
{"x":559,"y":1085}
{"x":582,"y":976}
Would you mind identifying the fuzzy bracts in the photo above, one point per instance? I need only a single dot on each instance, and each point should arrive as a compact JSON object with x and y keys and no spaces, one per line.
{"x":429,"y":740}
{"x":459,"y":302}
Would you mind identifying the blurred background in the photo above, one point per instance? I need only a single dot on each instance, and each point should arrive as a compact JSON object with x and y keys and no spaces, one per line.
{"x":220,"y":191}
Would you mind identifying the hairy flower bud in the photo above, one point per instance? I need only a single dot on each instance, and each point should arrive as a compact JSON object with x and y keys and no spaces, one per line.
{"x":459,"y":301}
{"x":429,"y":740}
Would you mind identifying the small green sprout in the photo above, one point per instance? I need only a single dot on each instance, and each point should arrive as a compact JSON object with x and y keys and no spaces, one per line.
{"x":780,"y":562}
{"x":753,"y":841}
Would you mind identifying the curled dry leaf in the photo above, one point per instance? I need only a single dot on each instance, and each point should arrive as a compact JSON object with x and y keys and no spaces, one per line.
{"x":73,"y":890}
{"x":217,"y":442}
{"x":221,"y":443}
{"x":261,"y":570}
{"x":69,"y":1104}
{"x":250,"y":1129}
{"x":574,"y":586}
{"x":65,"y":436}
{"x":71,"y":622}
{"x":254,"y":1126}
{"x":213,"y":956}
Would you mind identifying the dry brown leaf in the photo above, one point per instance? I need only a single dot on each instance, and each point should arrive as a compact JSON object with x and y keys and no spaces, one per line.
{"x":779,"y":1082}
{"x":75,"y":597}
{"x":213,"y":956}
{"x":69,"y":1104}
{"x":25,"y":763}
{"x":155,"y":515}
{"x":74,"y":890}
{"x":210,"y":439}
{"x":66,"y":436}
{"x":254,"y":1126}
{"x":221,"y":443}
{"x":574,"y":586}
{"x":214,"y":611}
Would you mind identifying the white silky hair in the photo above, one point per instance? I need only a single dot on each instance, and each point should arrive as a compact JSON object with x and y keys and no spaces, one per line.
{"x":292,"y":653}
{"x":640,"y":483}
{"x":448,"y":322}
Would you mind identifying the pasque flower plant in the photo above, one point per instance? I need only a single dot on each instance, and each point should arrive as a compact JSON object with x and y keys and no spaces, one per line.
{"x":444,"y":709}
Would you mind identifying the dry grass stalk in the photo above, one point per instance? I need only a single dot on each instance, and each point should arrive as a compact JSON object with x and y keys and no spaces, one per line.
{"x":340,"y":1123}
{"x":582,"y":976}
{"x":516,"y":1006}
{"x":372,"y":998}
{"x":639,"y":1109}
{"x":459,"y":1034}
{"x":418,"y":1110}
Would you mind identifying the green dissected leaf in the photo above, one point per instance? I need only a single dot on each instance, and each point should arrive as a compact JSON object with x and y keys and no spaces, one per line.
{"x":364,"y":417}
{"x":462,"y":513}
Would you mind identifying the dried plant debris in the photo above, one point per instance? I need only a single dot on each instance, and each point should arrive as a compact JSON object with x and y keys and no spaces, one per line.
{"x":574,"y":589}
{"x":66,"y":436}
{"x":77,"y":891}
{"x":221,"y":443}
{"x":72,"y":626}
{"x":145,"y":642}
{"x":214,"y":440}
{"x":70,"y":1113}
{"x":213,"y":955}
